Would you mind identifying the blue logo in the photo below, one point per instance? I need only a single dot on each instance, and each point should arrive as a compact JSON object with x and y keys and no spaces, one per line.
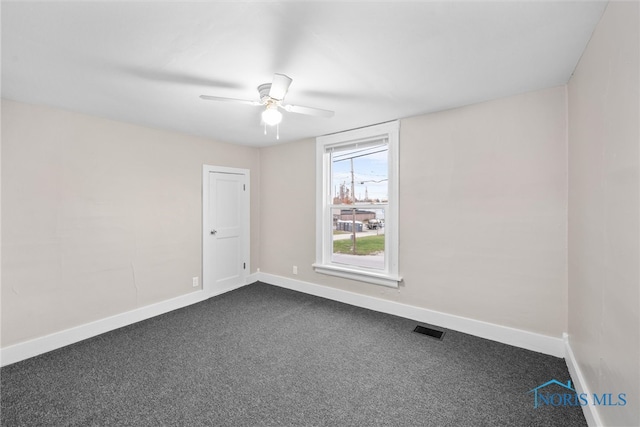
{"x":569,"y":397}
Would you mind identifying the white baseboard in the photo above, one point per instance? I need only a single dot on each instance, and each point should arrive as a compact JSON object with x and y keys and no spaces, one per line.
{"x":528,"y":340}
{"x":515,"y":337}
{"x":37,"y":346}
{"x":579,"y":382}
{"x":252,"y":278}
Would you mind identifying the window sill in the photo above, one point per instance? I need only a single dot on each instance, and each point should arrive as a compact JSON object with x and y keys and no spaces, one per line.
{"x":360,"y":275}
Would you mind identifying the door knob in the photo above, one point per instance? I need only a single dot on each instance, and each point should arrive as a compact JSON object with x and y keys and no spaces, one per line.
{"x":214,"y":231}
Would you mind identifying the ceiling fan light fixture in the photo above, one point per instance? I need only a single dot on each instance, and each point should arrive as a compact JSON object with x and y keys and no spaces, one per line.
{"x":272,"y":98}
{"x":271,"y":115}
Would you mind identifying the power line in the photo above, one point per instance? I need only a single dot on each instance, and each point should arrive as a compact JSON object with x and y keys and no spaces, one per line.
{"x":359,"y":150}
{"x":366,"y":149}
{"x":361,"y":155}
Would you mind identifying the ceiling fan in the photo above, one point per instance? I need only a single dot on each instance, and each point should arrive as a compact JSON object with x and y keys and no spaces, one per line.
{"x":271,"y":97}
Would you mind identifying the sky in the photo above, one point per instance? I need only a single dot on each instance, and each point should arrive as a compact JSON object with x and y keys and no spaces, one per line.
{"x":370,"y":169}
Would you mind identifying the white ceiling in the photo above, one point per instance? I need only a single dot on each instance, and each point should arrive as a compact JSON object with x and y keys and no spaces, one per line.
{"x":370,"y":62}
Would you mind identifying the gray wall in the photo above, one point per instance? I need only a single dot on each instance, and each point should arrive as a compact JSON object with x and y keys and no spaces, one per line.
{"x":604,"y":185}
{"x":100,"y":217}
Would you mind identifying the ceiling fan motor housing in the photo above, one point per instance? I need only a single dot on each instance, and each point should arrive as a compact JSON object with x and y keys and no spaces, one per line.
{"x":264,"y":90}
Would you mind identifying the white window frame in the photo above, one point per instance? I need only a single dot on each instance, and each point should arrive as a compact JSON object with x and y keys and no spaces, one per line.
{"x":324,"y":221}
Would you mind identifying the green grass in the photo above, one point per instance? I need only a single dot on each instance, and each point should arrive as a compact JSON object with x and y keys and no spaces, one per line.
{"x":369,"y":245}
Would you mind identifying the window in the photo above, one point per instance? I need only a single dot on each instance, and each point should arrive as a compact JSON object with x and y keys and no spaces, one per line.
{"x":357,"y":204}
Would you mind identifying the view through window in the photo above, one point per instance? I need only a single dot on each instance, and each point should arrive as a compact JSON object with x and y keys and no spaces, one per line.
{"x":357,"y":204}
{"x":360,"y":195}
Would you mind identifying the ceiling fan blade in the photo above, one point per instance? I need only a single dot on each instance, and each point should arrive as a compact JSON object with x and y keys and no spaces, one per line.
{"x":238,"y":101}
{"x":279,"y":86}
{"x":308,"y":111}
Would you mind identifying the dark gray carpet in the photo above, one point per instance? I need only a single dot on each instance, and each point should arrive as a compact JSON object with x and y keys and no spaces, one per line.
{"x":263,"y":355}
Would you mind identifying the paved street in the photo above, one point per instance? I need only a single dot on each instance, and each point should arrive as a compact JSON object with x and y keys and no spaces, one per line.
{"x":361,"y":234}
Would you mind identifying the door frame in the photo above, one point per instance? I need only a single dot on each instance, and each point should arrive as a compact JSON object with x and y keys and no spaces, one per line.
{"x":207,"y":268}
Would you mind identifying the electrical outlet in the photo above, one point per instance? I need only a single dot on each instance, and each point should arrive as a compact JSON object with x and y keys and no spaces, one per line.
{"x":195,"y":282}
{"x":295,"y":269}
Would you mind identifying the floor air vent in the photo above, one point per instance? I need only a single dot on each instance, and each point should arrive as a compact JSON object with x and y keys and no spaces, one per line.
{"x":433,"y":333}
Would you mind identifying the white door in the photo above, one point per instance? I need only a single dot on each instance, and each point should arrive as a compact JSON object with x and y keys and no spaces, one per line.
{"x":225,"y":229}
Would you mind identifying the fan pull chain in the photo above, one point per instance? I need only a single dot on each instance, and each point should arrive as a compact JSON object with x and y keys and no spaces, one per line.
{"x":277,"y":130}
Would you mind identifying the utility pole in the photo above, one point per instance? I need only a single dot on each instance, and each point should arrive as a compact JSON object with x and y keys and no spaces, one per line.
{"x":353,"y":211}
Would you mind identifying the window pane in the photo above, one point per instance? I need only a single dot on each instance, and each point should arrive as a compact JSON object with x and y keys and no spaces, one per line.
{"x":360,"y":175}
{"x":358,"y":237}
